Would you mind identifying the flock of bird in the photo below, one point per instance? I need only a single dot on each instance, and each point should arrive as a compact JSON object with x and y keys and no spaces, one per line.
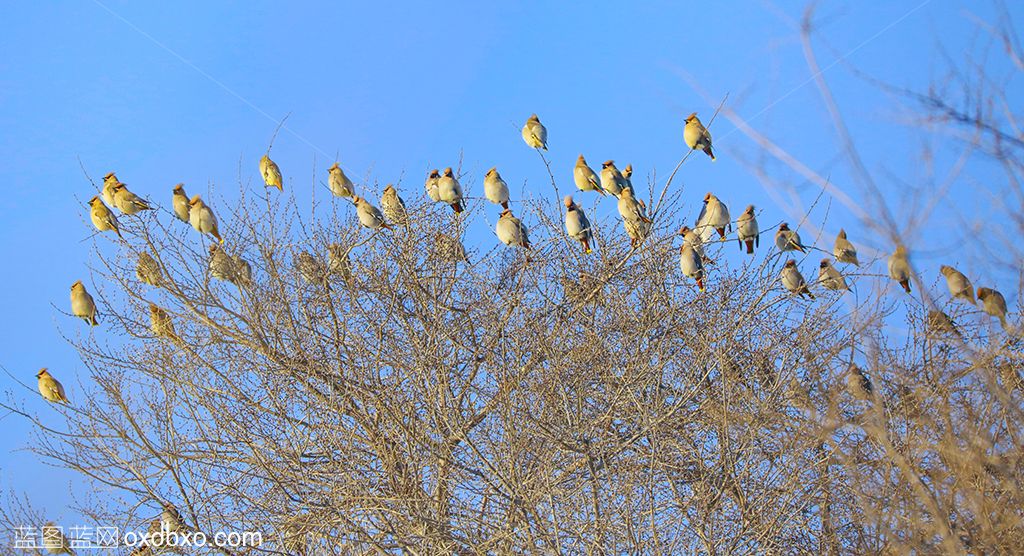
{"x":714,"y":220}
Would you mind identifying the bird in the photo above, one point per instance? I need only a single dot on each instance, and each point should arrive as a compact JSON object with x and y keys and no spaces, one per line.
{"x":51,"y":389}
{"x":495,"y":188}
{"x":222,"y":266}
{"x":102,"y":217}
{"x":630,"y":210}
{"x":747,"y":231}
{"x":690,"y":263}
{"x":110,"y":181}
{"x":128,"y":202}
{"x":160,"y":324}
{"x":713,"y":217}
{"x":179,"y":201}
{"x":788,"y":240}
{"x":939,"y":321}
{"x":170,"y":519}
{"x":338,"y":262}
{"x":830,"y":278}
{"x":627,"y":173}
{"x":638,"y":230}
{"x":697,"y":136}
{"x":585,"y":177}
{"x":54,"y":541}
{"x":844,"y":251}
{"x":511,"y":230}
{"x":449,"y":191}
{"x":793,"y":280}
{"x":449,"y":249}
{"x":431,"y":185}
{"x":577,"y":225}
{"x":859,"y":384}
{"x":82,"y":305}
{"x":994,"y":304}
{"x":338,"y":182}
{"x":271,"y":173}
{"x":202,"y":219}
{"x":369,"y":215}
{"x":694,"y":240}
{"x":958,"y":284}
{"x":147,"y":269}
{"x":899,"y":267}
{"x":242,"y":271}
{"x":393,"y":206}
{"x":535,"y":134}
{"x":611,"y":179}
{"x":310,"y":268}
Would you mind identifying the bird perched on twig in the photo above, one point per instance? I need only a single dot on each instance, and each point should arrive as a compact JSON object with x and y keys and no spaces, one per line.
{"x":51,"y":389}
{"x":495,"y":188}
{"x":611,"y":179}
{"x":110,"y":181}
{"x":431,"y":185}
{"x":271,"y":173}
{"x":697,"y":136}
{"x":161,"y":325}
{"x":859,"y":384}
{"x":585,"y":177}
{"x":147,"y":270}
{"x":793,"y":280}
{"x":535,"y":134}
{"x":844,"y":251}
{"x":369,"y":216}
{"x":82,"y":305}
{"x":201,"y":217}
{"x":449,"y":191}
{"x":713,"y":217}
{"x":958,"y":284}
{"x":788,"y":240}
{"x":830,"y":278}
{"x":690,"y":263}
{"x":577,"y":225}
{"x":994,"y":304}
{"x":899,"y":267}
{"x":747,"y":231}
{"x":179,"y":202}
{"x":128,"y":202}
{"x":511,"y":230}
{"x":393,"y":206}
{"x":339,"y":183}
{"x":102,"y":217}
{"x":939,"y":321}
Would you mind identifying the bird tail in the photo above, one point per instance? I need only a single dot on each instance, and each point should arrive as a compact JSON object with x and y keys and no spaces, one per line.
{"x":750,"y":247}
{"x":807,"y":291}
{"x":504,"y":205}
{"x":700,"y":283}
{"x":457,"y":207}
{"x":709,"y":152}
{"x":586,"y":247}
{"x":721,"y":232}
{"x":906,"y":285}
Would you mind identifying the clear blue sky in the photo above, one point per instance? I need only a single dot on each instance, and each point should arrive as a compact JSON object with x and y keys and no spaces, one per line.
{"x":404,"y":89}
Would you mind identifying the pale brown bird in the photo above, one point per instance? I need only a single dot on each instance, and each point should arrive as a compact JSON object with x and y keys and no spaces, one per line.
{"x":495,"y":188}
{"x":338,"y":262}
{"x":577,"y":225}
{"x":339,"y":183}
{"x":747,"y":231}
{"x":51,"y":389}
{"x":54,"y":541}
{"x":271,"y":173}
{"x":994,"y":304}
{"x":627,"y":175}
{"x":788,"y":240}
{"x":958,"y":284}
{"x":243,"y":271}
{"x":202,"y":219}
{"x":830,"y":278}
{"x":128,"y":202}
{"x":102,"y":217}
{"x":431,"y":185}
{"x":161,"y":325}
{"x":939,"y":321}
{"x":449,"y":191}
{"x":512,"y":231}
{"x":899,"y":267}
{"x":179,"y":201}
{"x":697,"y":136}
{"x":147,"y":270}
{"x":844,"y":251}
{"x":691,"y":264}
{"x":369,"y":216}
{"x":638,"y":229}
{"x":535,"y":134}
{"x":611,"y":178}
{"x":693,"y":239}
{"x":585,"y":177}
{"x":393,"y":206}
{"x":82,"y":305}
{"x":793,"y":280}
{"x":713,"y":217}
{"x":110,"y":181}
{"x":222,"y":266}
{"x":449,"y":249}
{"x":859,"y":384}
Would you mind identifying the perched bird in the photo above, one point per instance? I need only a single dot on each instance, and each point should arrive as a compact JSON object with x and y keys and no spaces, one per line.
{"x":338,"y":262}
{"x":714,"y":217}
{"x":747,"y":231}
{"x":638,"y":230}
{"x":577,"y":225}
{"x":788,"y":240}
{"x":690,"y":264}
{"x":959,"y":285}
{"x":242,"y":271}
{"x":844,"y":251}
{"x":694,"y":241}
{"x":611,"y":179}
{"x":585,"y":177}
{"x":338,"y":182}
{"x":535,"y":134}
{"x":994,"y":304}
{"x":170,"y":519}
{"x":110,"y":181}
{"x":82,"y":304}
{"x":202,"y":219}
{"x":627,"y":173}
{"x":271,"y":173}
{"x":54,"y":541}
{"x":147,"y":270}
{"x":633,"y":215}
{"x":369,"y":215}
{"x":696,"y":136}
{"x":511,"y":231}
{"x":830,"y":278}
{"x":939,"y":321}
{"x":393,"y":206}
{"x":495,"y":188}
{"x":102,"y":217}
{"x":431,"y":185}
{"x":161,"y":325}
{"x":899,"y":267}
{"x":310,"y":268}
{"x":859,"y":384}
{"x":449,"y":249}
{"x":51,"y":389}
{"x":128,"y":202}
{"x":793,"y":280}
{"x":222,"y":266}
{"x":179,"y":201}
{"x":449,"y":191}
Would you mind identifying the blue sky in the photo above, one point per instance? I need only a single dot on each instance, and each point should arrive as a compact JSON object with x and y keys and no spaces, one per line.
{"x":398,"y":90}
